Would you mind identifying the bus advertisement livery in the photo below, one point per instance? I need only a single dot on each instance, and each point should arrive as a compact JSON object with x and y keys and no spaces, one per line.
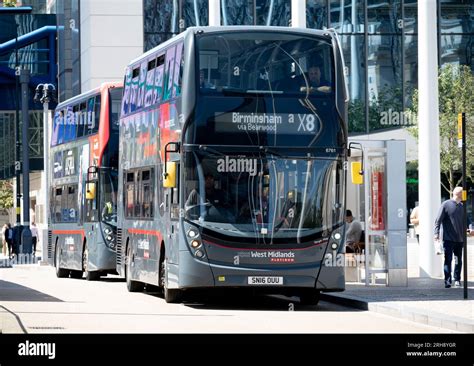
{"x":233,"y":143}
{"x":83,"y":183}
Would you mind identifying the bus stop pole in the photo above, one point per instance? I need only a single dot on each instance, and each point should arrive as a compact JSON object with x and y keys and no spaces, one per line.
{"x":462,"y":122}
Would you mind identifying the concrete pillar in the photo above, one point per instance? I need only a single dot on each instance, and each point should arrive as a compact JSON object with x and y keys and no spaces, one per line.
{"x":428,"y":144}
{"x":214,"y":13}
{"x":298,"y":13}
{"x":111,"y":36}
{"x":44,"y":184}
{"x":355,"y":57}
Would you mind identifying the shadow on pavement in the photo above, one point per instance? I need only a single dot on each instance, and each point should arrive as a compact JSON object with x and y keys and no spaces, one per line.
{"x":418,"y":289}
{"x":10,"y":291}
{"x":237,"y":299}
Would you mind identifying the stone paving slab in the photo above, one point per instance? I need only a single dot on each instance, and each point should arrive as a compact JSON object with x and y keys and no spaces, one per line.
{"x":425,"y":301}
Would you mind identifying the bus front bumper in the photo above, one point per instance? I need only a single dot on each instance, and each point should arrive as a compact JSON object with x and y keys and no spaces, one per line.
{"x":197,"y":273}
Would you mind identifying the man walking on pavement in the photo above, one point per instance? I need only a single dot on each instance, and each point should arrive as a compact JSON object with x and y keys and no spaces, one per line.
{"x":451,"y":217}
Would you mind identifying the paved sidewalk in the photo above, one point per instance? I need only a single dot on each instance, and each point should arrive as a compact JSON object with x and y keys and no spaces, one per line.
{"x":424,"y":300}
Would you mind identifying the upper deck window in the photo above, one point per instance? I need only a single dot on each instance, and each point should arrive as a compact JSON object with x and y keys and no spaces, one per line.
{"x":76,"y":120}
{"x":277,"y":63}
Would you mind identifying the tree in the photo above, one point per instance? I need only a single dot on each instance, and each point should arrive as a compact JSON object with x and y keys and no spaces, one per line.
{"x":6,"y":195}
{"x":9,"y":3}
{"x":456,"y":94}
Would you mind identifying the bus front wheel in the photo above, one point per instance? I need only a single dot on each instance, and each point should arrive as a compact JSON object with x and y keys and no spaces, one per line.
{"x":60,"y":272}
{"x":309,"y":297}
{"x":90,"y":275}
{"x":171,"y":295}
{"x":132,"y":286}
{"x":76,"y":274}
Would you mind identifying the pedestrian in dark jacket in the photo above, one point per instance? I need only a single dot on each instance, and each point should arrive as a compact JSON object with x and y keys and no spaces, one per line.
{"x":451,"y":218}
{"x":9,"y":239}
{"x":17,"y":239}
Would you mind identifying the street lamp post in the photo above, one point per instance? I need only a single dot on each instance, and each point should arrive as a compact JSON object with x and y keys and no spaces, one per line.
{"x":8,"y":9}
{"x":45,"y":93}
{"x":26,"y":239}
{"x":17,"y":133}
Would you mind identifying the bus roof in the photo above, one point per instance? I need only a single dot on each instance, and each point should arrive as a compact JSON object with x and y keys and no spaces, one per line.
{"x":234,"y":28}
{"x":85,"y":95}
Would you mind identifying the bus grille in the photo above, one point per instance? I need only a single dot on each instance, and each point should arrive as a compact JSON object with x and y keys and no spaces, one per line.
{"x":50,"y":244}
{"x":119,"y":247}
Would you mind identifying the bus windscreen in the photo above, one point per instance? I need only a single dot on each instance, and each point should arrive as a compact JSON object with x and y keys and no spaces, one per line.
{"x":262,"y":196}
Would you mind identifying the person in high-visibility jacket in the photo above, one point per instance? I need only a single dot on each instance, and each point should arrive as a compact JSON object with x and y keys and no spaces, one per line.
{"x":108,"y":210}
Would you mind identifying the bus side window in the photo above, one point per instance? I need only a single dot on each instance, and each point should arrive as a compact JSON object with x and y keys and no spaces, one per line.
{"x":178,"y":70}
{"x":72,"y":203}
{"x":90,"y":120}
{"x":150,"y":82}
{"x":159,"y":77}
{"x":58,"y":124}
{"x":134,"y":89}
{"x":57,"y":204}
{"x":64,"y":209}
{"x":70,"y":123}
{"x":97,"y":103}
{"x":82,"y":120}
{"x":126,"y":90}
{"x":141,"y":85}
{"x":170,"y":55}
{"x":130,"y":194}
{"x":138,"y":189}
{"x":146,"y":191}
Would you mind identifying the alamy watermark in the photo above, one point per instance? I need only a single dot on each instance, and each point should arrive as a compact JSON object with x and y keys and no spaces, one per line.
{"x":28,"y":348}
{"x":18,"y":259}
{"x":343,"y":260}
{"x":396,"y":118}
{"x":78,"y":118}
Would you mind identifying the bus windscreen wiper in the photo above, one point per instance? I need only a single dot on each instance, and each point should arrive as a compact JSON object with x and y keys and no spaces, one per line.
{"x":271,"y":151}
{"x":210,"y":150}
{"x":237,"y":91}
{"x":264,"y":91}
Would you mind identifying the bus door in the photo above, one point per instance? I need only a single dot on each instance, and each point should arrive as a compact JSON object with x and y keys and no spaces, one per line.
{"x":91,"y":209}
{"x":171,"y":185}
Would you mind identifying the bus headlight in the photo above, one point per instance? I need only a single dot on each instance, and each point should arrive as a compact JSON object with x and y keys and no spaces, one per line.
{"x":337,"y":236}
{"x":199,"y":253}
{"x":334,"y":246}
{"x":192,"y":233}
{"x":108,"y":233}
{"x":193,"y":238}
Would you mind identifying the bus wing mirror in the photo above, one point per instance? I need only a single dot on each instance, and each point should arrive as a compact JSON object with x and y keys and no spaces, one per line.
{"x":170,"y":147}
{"x":169,"y":178}
{"x":90,"y":191}
{"x":357,"y":167}
{"x":357,"y":174}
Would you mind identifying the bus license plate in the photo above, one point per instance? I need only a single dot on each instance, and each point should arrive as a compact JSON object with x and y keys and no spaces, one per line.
{"x":265,"y":280}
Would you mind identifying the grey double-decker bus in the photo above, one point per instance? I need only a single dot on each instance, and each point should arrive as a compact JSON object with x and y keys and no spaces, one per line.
{"x":83,"y":183}
{"x":232,"y":147}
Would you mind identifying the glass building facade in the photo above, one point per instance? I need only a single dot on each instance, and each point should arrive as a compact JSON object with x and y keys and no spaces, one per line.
{"x":36,"y":51}
{"x":379,"y":40}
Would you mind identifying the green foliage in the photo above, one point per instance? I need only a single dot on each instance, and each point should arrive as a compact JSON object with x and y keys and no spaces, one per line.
{"x":356,"y":115}
{"x":456,"y":94}
{"x":9,"y":3}
{"x":389,"y":98}
{"x":6,"y":194}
